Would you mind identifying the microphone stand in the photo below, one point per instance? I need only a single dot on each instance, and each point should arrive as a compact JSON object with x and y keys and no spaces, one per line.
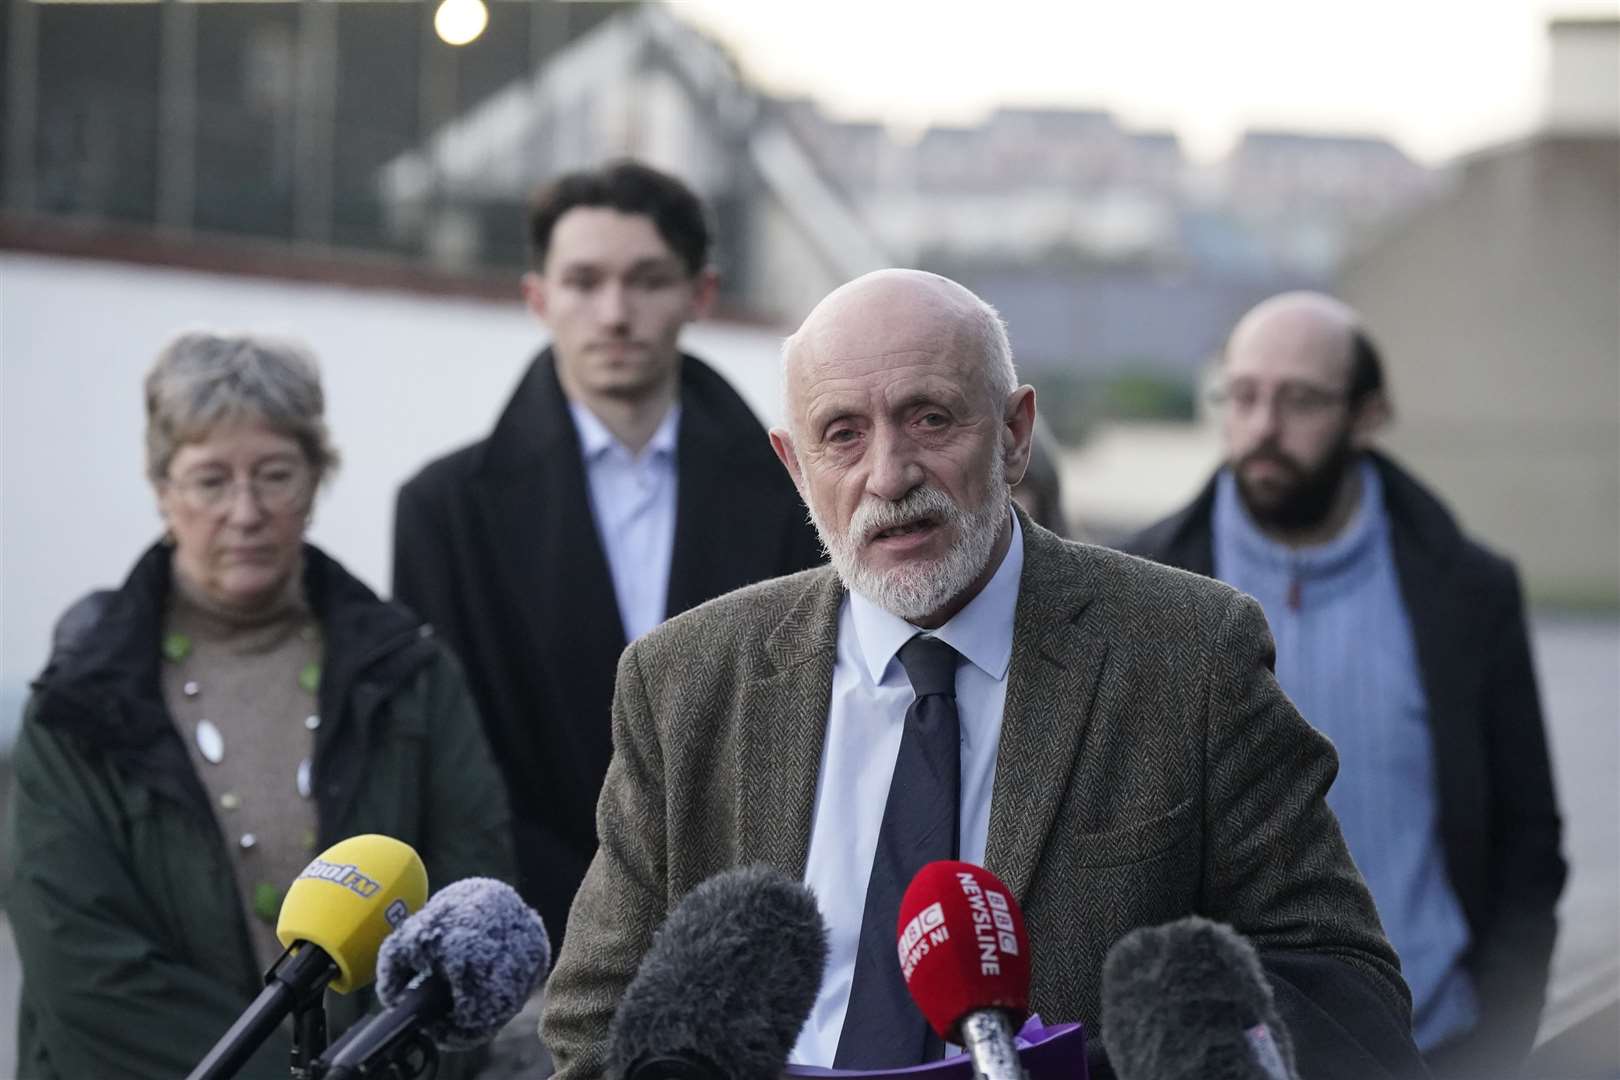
{"x":295,"y":984}
{"x":408,"y":1059}
{"x":987,"y":1036}
{"x":309,"y":1036}
{"x":390,"y":1045}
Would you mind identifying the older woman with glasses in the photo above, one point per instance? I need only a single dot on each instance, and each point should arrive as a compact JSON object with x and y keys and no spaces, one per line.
{"x":240,"y":703}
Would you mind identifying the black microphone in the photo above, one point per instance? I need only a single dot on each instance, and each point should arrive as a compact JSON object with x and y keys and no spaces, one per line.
{"x":729,"y":981}
{"x":452,"y":975}
{"x":1188,"y":1001}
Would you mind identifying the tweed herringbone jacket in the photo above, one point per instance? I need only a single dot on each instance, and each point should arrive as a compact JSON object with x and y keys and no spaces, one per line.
{"x":1149,"y":768}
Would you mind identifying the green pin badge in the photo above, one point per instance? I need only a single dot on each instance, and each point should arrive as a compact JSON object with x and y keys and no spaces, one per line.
{"x":176,"y":647}
{"x":266,"y":901}
{"x":310,"y":677}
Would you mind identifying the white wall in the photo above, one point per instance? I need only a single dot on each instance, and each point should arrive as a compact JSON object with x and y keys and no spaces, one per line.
{"x":1583,"y":73}
{"x":1495,"y":310}
{"x":406,"y":376}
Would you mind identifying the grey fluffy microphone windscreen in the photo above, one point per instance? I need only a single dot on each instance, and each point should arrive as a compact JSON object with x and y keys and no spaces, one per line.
{"x":1189,"y":1001}
{"x":725,"y":988}
{"x":452,"y":975}
{"x":488,"y":947}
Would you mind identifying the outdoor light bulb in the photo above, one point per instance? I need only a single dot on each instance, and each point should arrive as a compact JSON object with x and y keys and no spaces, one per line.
{"x":460,"y":21}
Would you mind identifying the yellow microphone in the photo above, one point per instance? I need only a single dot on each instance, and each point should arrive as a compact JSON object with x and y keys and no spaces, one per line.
{"x":333,"y":920}
{"x":354,"y":894}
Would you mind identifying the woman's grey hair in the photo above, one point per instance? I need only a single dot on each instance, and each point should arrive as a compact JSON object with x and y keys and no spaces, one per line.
{"x":203,"y":379}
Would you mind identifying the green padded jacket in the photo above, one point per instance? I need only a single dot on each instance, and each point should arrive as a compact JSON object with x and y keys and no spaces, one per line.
{"x":134,"y":949}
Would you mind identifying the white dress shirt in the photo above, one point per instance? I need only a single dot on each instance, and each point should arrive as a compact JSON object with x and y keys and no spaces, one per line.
{"x":633,"y":503}
{"x":870,"y":696}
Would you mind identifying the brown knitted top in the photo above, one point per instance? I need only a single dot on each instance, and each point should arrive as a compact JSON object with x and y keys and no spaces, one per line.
{"x":241,"y":688}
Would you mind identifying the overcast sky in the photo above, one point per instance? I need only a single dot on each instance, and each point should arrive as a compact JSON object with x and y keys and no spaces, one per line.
{"x":1438,"y":76}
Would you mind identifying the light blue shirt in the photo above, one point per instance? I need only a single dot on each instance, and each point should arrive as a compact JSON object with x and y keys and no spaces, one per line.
{"x":870,"y":696}
{"x":633,"y":504}
{"x":1346,"y":658}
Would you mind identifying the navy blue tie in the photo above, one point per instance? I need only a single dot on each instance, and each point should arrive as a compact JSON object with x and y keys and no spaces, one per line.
{"x":882,"y":1026}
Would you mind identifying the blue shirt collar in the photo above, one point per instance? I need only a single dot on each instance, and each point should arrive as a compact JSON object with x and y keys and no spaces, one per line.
{"x":596,"y":440}
{"x":1358,"y":537}
{"x":982,"y":631}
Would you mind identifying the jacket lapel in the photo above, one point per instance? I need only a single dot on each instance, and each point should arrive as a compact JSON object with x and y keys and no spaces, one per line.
{"x":1055,"y":667}
{"x":533,"y":498}
{"x":1424,"y":541}
{"x":707,"y":514}
{"x":780,"y":737}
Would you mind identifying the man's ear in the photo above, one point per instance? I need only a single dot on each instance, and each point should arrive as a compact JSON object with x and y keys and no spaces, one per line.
{"x":1018,"y":433}
{"x":1371,"y":416}
{"x":782,"y":443}
{"x":705,"y":287}
{"x":534,"y":294}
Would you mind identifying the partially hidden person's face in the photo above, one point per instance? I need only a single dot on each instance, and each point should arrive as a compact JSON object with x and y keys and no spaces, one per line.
{"x":903,"y":460}
{"x":1287,"y":430}
{"x":615,"y":297}
{"x":237,"y":503}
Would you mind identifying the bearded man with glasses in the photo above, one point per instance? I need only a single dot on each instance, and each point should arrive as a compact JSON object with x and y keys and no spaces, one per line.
{"x":1405,"y":643}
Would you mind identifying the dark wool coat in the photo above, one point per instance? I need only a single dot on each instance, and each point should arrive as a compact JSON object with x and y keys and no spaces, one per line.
{"x":496,"y":547}
{"x":1149,"y":768}
{"x":1499,"y":822}
{"x":120,"y":892}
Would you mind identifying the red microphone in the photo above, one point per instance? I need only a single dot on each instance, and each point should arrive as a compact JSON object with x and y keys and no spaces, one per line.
{"x":965,"y":958}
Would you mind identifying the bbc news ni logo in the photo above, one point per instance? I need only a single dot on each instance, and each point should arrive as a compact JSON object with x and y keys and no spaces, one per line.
{"x":926,"y":929}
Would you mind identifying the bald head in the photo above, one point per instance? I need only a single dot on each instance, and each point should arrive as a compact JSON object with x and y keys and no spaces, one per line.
{"x":1309,"y":336}
{"x":893,"y":313}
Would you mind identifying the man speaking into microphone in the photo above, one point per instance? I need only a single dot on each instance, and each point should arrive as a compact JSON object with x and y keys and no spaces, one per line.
{"x":1105,"y":735}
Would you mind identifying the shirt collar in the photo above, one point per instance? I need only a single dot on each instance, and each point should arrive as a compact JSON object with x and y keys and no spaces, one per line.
{"x":595,"y":439}
{"x":982,"y":631}
{"x":1332,"y":557}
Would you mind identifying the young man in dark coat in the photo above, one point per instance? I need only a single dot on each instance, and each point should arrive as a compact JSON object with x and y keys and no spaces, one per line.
{"x":624,"y":482}
{"x":1404,"y":642}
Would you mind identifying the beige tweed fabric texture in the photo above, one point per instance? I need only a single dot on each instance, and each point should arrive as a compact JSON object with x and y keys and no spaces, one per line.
{"x":1149,"y":768}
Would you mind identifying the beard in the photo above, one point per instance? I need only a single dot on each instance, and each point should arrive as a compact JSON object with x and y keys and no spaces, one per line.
{"x":1305,"y":497}
{"x":915,"y":590}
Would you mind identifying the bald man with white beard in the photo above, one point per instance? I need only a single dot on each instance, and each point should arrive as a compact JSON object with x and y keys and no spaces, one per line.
{"x":1115,"y":747}
{"x":1405,"y":643}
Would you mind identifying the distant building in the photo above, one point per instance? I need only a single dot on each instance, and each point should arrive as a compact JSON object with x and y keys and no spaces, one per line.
{"x":265,"y":120}
{"x":860,"y":155}
{"x":1033,"y":183}
{"x":1307,"y":197}
{"x":351,"y":126}
{"x":1100,"y":320}
{"x":1106,"y":248}
{"x":645,"y":85}
{"x":1498,"y":310}
{"x":1025,"y":183}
